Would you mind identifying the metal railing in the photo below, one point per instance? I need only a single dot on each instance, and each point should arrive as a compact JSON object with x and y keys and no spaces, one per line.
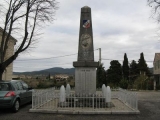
{"x":49,"y":99}
{"x":81,"y":101}
{"x":43,"y":100}
{"x":129,"y":98}
{"x":41,"y":97}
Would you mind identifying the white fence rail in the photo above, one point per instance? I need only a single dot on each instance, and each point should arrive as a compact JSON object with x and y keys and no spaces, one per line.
{"x":49,"y":99}
{"x":129,"y":98}
{"x":41,"y":97}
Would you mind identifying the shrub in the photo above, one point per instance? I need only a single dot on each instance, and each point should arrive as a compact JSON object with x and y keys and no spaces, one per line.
{"x":124,"y":83}
{"x":45,"y":84}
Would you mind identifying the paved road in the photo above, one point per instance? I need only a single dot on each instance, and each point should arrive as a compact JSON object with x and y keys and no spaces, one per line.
{"x":149,"y":106}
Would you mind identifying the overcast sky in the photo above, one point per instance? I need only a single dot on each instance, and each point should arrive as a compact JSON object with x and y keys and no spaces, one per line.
{"x":119,"y":26}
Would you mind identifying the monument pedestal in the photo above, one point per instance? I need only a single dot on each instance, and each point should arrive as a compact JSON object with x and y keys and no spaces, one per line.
{"x":85,"y":80}
{"x":85,"y":77}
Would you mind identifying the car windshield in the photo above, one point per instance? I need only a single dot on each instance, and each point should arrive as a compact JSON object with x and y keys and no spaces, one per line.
{"x":4,"y":87}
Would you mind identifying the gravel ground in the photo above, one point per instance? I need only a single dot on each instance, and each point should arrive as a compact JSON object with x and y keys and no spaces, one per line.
{"x":149,"y":106}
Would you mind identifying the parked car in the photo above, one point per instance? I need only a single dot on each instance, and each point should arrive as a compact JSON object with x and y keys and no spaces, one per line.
{"x":14,"y":93}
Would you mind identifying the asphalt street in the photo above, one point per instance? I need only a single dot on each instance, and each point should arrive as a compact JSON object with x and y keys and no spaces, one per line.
{"x":149,"y":106}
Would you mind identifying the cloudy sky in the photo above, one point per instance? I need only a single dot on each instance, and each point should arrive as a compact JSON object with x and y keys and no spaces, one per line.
{"x":119,"y":26}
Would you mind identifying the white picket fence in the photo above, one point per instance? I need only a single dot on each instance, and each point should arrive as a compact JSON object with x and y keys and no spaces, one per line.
{"x":129,"y":98}
{"x":42,"y":96}
{"x":49,"y":99}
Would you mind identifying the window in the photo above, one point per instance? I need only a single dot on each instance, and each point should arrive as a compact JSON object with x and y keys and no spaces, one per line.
{"x":16,"y":86}
{"x":4,"y":87}
{"x":20,"y":87}
{"x":25,"y":86}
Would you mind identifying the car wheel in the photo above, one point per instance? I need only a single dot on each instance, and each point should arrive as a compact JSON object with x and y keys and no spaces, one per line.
{"x":16,"y":106}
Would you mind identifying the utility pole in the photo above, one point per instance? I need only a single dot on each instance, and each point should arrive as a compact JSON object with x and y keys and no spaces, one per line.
{"x":129,"y":71}
{"x":99,"y":56}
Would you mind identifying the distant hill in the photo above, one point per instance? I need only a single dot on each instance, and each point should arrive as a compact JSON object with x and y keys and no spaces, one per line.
{"x":51,"y":71}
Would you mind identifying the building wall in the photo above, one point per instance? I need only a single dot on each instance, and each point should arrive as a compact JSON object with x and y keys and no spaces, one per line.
{"x":7,"y":75}
{"x":156,"y":67}
{"x":156,"y":70}
{"x":61,"y":77}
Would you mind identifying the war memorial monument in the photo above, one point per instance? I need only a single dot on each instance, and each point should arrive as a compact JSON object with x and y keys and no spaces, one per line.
{"x":85,"y":66}
{"x":84,"y":99}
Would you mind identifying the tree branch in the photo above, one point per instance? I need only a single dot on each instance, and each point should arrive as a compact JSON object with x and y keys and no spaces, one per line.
{"x":35,"y":13}
{"x":35,"y":20}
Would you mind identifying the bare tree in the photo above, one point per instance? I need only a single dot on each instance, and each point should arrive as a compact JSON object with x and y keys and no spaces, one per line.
{"x":22,"y":18}
{"x":155,"y":4}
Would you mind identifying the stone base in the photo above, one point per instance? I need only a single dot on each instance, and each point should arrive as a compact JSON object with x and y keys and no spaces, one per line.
{"x":85,"y":64}
{"x":85,"y":80}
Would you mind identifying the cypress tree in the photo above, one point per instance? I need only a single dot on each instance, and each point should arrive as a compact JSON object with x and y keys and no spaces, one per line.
{"x":134,"y":68}
{"x":134,"y":71}
{"x":142,"y":66}
{"x":125,"y":67}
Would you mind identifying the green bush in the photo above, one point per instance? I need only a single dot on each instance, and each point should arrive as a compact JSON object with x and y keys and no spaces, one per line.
{"x":113,"y":86}
{"x":140,"y":83}
{"x":124,"y":83}
{"x":45,"y":84}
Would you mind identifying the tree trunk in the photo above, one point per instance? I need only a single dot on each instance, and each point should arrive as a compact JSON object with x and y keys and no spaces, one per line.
{"x":1,"y":76}
{"x":1,"y":71}
{"x":6,"y":63}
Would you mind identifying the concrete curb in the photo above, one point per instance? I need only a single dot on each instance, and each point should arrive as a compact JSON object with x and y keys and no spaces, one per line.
{"x":84,"y":112}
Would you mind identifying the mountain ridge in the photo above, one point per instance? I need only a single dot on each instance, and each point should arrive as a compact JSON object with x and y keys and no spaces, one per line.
{"x":51,"y":71}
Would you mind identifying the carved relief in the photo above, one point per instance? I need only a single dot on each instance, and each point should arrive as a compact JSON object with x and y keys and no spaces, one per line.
{"x":85,"y":40}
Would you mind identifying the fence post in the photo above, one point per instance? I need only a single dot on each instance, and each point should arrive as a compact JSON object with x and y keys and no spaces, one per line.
{"x":136,"y":101}
{"x":74,"y":101}
{"x":32,"y":99}
{"x":93,"y":101}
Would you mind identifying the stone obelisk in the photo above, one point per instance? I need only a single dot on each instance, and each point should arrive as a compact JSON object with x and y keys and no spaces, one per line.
{"x":85,"y":66}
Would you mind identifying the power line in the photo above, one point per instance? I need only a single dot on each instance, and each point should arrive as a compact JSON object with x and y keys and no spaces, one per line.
{"x":122,"y":60}
{"x":110,"y":59}
{"x":149,"y":61}
{"x":48,"y":57}
{"x":51,"y":57}
{"x":40,"y":66}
